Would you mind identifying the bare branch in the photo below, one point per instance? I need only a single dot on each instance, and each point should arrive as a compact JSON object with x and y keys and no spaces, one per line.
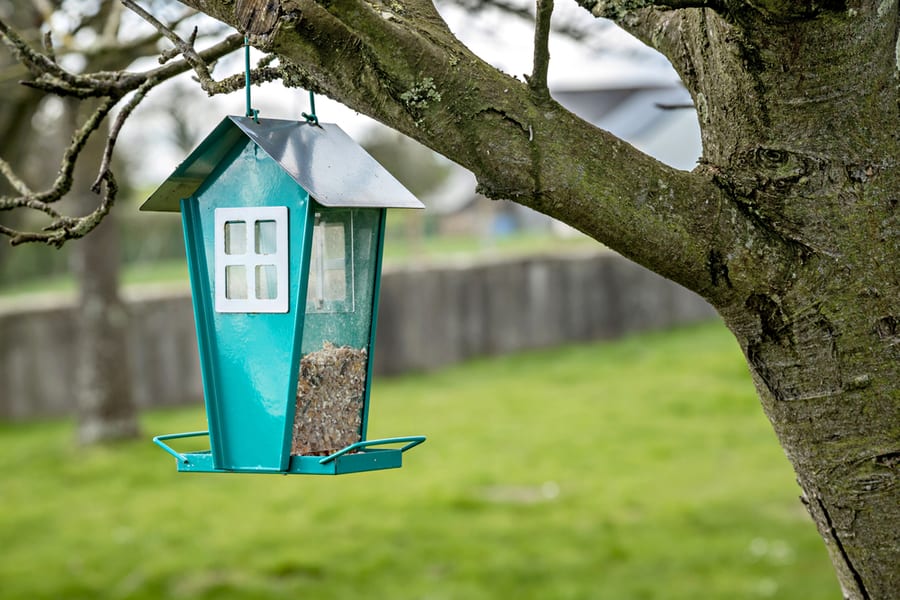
{"x":38,"y":64}
{"x":522,"y":11}
{"x":41,"y":201}
{"x":65,"y":228}
{"x":28,"y":202}
{"x":538,"y":80}
{"x":48,"y":45}
{"x":109,"y":87}
{"x":186,"y":48}
{"x":113,"y":136}
{"x":13,"y":179}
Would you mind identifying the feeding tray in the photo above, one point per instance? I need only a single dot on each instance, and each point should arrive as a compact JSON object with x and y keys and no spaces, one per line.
{"x":355,"y":458}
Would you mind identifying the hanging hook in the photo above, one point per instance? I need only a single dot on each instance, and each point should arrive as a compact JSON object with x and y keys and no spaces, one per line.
{"x":251,"y":112}
{"x":311,"y":118}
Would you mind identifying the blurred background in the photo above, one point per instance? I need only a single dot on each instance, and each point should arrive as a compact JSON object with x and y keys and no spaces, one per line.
{"x":593,"y":431}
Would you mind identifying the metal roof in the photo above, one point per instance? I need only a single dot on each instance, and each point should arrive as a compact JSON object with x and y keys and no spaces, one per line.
{"x":322,"y":159}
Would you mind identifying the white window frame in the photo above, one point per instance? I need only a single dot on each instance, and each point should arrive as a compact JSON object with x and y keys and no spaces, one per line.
{"x":250,"y":260}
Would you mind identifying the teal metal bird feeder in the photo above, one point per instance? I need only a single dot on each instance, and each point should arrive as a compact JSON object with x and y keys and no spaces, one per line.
{"x":284,"y":230}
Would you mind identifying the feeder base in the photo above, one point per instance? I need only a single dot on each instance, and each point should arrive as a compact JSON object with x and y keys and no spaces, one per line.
{"x":355,"y":458}
{"x":371,"y":460}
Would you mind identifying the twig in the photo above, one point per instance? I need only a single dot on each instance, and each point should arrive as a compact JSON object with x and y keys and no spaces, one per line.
{"x":113,"y":135}
{"x":538,"y":80}
{"x":38,"y":64}
{"x":13,"y":179}
{"x":63,"y":182}
{"x":185,"y":48}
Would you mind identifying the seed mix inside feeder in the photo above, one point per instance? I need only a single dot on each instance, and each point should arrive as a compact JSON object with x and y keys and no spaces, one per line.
{"x":330,"y":393}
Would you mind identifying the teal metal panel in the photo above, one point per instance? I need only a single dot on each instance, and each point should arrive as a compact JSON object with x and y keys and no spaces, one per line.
{"x":193,"y":170}
{"x":201,"y":297}
{"x":250,"y":359}
{"x":375,"y":460}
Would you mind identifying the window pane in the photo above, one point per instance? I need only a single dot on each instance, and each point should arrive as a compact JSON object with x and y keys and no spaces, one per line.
{"x":235,"y":237}
{"x":335,"y":284}
{"x":266,"y":282}
{"x":236,"y":282}
{"x":334,"y":244}
{"x":265,"y":237}
{"x":328,"y":284}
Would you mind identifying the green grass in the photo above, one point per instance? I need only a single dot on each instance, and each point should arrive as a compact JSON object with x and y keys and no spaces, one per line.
{"x":637,"y":469}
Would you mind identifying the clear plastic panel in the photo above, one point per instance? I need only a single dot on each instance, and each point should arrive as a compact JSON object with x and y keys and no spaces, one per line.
{"x":266,"y":282}
{"x":265,"y":237}
{"x":331,"y":387}
{"x":236,"y":282}
{"x":330,"y":287}
{"x":235,"y":237}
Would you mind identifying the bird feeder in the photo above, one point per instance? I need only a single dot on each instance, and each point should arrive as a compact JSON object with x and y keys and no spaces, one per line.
{"x":284,"y":230}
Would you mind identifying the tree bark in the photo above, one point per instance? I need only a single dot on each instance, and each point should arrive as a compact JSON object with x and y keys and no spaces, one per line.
{"x":789,"y":226}
{"x":103,"y":395}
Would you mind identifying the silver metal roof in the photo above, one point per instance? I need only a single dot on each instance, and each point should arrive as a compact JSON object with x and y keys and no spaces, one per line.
{"x":322,"y":159}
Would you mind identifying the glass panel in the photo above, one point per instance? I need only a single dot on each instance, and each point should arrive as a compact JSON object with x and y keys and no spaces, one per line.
{"x":330,"y":411}
{"x":332,"y":263}
{"x":316,"y":294}
{"x":265,"y":237}
{"x":334,"y":245}
{"x":236,"y":282}
{"x":335,"y":284}
{"x":235,"y":237}
{"x":266,"y":282}
{"x":328,"y":266}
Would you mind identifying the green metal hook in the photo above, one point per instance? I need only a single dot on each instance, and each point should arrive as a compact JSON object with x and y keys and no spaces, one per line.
{"x":311,"y":118}
{"x":251,"y":112}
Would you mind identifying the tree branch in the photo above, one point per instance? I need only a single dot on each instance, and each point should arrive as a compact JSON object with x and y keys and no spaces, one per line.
{"x":400,"y":64}
{"x":538,"y":80}
{"x":110,"y":87}
{"x":617,"y":10}
{"x":186,"y":49}
{"x":522,"y":11}
{"x":13,"y":179}
{"x":113,"y":135}
{"x":406,"y":69}
{"x":62,"y":228}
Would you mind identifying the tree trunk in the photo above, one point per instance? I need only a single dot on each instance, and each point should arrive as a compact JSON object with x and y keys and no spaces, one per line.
{"x":805,"y":142}
{"x":828,"y":383}
{"x":103,"y":393}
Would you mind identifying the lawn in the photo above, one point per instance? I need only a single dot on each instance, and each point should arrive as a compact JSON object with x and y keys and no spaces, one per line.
{"x":637,"y":469}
